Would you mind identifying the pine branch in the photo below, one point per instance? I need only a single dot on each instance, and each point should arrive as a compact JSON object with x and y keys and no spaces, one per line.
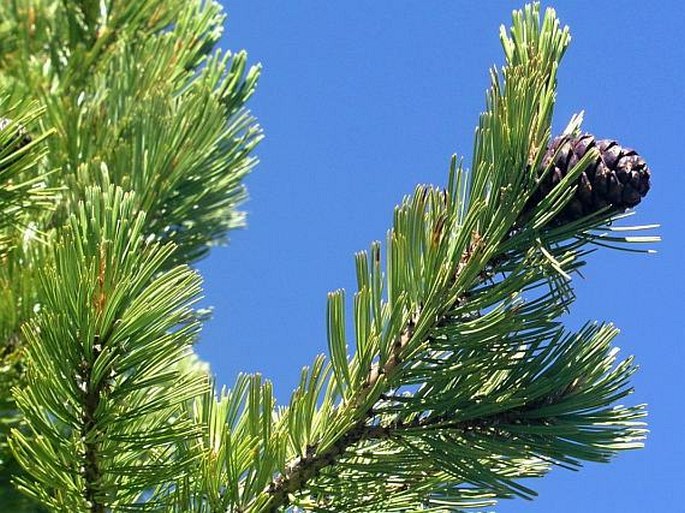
{"x":564,"y":420}
{"x":305,"y":468}
{"x":24,"y":197}
{"x":114,"y":81}
{"x":309,"y":467}
{"x":92,"y":450}
{"x":103,"y":405}
{"x":445,"y":250}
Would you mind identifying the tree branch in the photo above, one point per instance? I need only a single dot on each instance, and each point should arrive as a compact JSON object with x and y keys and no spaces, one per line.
{"x":303,"y":469}
{"x":309,"y":466}
{"x":91,"y":400}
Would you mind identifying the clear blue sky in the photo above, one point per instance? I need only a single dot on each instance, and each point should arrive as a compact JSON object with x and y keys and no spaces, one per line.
{"x":362,"y":100}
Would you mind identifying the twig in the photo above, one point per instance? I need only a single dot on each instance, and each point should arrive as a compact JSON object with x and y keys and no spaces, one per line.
{"x":307,"y":467}
{"x":91,"y":400}
{"x":303,"y":469}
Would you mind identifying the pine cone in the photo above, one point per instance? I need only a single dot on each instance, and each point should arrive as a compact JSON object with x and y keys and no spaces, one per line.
{"x":618,"y":178}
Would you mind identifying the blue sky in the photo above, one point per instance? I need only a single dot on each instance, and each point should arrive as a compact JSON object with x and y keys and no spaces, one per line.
{"x":360,"y":101}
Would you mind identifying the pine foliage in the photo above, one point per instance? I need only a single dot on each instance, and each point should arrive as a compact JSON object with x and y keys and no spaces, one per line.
{"x":101,"y":381}
{"x":458,"y":381}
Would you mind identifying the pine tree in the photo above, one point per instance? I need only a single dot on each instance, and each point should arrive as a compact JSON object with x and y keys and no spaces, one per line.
{"x":123,"y":146}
